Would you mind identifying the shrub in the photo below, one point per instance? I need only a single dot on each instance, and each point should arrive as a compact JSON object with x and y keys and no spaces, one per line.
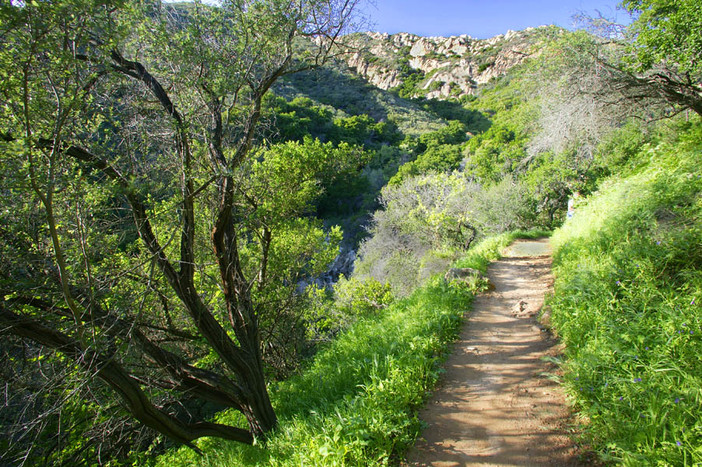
{"x":429,"y":220}
{"x":437,"y":158}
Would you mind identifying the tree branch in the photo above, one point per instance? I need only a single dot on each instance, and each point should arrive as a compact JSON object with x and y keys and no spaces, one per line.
{"x":203,"y":319}
{"x":110,"y":371}
{"x":187,"y":256}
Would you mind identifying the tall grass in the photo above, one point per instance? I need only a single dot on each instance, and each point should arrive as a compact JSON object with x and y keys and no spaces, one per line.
{"x":627,"y":305}
{"x":356,"y":403}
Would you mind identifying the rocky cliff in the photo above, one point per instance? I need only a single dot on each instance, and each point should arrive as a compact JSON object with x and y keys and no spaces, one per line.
{"x":440,"y":67}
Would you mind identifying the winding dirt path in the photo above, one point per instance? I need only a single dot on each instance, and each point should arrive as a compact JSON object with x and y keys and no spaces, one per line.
{"x":495,"y":404}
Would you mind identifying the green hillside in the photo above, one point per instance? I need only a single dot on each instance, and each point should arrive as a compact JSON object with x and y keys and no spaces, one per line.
{"x":626,"y":305}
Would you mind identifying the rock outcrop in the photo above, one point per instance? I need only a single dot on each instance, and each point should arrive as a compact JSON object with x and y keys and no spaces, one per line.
{"x":343,"y":265}
{"x":450,"y":66}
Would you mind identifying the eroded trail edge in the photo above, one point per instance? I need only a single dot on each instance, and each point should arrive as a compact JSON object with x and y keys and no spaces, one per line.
{"x":495,"y":404}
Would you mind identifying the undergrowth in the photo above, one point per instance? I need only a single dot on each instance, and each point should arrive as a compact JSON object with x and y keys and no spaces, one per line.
{"x":627,"y":305}
{"x":356,"y":403}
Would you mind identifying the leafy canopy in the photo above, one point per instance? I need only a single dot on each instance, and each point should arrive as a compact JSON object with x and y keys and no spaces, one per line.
{"x":667,"y":31}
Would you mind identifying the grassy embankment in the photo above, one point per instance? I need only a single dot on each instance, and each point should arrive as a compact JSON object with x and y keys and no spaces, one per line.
{"x":627,"y":304}
{"x":356,"y":403}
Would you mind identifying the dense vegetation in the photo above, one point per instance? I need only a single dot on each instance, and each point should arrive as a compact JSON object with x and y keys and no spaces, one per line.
{"x":356,"y":403}
{"x":178,"y":182}
{"x":627,"y":306}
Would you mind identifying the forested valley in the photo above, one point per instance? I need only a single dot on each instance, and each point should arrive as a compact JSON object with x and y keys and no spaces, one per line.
{"x":224,"y":229}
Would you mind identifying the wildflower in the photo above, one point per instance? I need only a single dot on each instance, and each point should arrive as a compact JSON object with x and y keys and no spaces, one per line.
{"x":677,"y":400}
{"x":637,"y":380}
{"x":678,"y":443}
{"x":658,"y":242}
{"x":621,"y":398}
{"x":692,"y":302}
{"x":646,"y":348}
{"x":619,"y":283}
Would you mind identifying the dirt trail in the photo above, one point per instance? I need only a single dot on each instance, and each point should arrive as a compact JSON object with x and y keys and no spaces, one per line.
{"x":495,"y":404}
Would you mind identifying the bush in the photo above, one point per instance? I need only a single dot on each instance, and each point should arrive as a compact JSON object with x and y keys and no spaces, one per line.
{"x":437,"y":158}
{"x":429,"y":220}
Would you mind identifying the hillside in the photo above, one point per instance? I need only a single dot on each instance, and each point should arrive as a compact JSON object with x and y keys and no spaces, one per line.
{"x":441,"y":67}
{"x":413,"y":68}
{"x":627,"y":307}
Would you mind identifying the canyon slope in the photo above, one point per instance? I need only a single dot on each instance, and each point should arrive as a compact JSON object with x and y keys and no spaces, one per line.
{"x":441,"y":67}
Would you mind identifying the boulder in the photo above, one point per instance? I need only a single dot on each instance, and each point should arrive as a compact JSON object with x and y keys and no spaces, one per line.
{"x":463,"y":274}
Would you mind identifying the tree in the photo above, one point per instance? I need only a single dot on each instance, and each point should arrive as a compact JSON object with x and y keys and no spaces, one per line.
{"x":127,"y":247}
{"x":650,"y":66}
{"x":667,"y":50}
{"x":669,"y":33}
{"x":598,"y":81}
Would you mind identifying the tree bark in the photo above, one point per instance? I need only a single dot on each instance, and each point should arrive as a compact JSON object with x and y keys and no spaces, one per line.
{"x":244,"y":360}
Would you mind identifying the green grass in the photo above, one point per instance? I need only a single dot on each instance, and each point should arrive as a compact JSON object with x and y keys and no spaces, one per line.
{"x":627,"y":305}
{"x":357,"y":402}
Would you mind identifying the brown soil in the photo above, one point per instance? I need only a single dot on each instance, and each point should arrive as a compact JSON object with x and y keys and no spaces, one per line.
{"x":495,"y":404}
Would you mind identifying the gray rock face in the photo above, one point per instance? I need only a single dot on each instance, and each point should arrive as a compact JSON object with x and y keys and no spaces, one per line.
{"x":452,"y":66}
{"x":343,"y":264}
{"x":380,"y":77}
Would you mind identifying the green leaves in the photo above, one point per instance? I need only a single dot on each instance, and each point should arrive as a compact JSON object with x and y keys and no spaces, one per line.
{"x":285,"y":180}
{"x":667,"y":31}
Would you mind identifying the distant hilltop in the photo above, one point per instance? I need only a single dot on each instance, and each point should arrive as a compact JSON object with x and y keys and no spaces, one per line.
{"x":441,"y":67}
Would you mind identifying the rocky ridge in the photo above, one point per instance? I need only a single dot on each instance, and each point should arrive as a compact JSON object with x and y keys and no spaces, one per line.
{"x":450,"y":66}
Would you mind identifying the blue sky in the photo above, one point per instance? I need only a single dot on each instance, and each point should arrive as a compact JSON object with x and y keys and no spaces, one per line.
{"x":480,"y":18}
